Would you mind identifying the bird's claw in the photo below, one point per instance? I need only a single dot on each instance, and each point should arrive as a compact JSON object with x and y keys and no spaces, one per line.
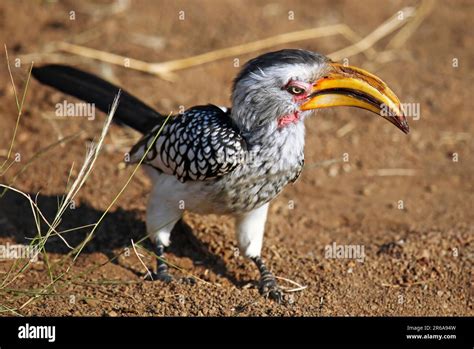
{"x":161,"y":276}
{"x":188,"y":280}
{"x":270,"y":289}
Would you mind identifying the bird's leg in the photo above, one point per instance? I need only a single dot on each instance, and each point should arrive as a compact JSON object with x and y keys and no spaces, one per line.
{"x":268,"y":284}
{"x":162,"y":273}
{"x":250,"y":228}
{"x":161,"y":217}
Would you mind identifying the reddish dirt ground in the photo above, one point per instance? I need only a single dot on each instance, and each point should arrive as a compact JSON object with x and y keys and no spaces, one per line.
{"x":418,"y":259}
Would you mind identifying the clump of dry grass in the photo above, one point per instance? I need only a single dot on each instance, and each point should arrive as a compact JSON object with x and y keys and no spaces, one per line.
{"x":40,"y":240}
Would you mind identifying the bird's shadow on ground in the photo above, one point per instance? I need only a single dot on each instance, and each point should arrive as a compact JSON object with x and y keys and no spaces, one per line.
{"x":113,"y":234}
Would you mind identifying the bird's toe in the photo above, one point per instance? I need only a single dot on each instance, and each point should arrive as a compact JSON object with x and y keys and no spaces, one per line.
{"x":162,"y":276}
{"x":188,"y":280}
{"x":276,"y":294}
{"x":270,"y":289}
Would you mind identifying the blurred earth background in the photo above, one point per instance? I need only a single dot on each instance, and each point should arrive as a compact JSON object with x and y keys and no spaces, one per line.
{"x":407,"y":199}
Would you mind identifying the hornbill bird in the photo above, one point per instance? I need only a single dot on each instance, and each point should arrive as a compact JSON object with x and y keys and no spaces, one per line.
{"x":233,"y":161}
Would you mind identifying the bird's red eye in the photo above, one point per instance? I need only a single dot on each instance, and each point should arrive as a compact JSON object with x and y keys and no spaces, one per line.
{"x":295,"y":90}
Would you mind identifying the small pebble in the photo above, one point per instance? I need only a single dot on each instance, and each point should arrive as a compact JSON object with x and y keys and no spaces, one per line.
{"x":92,"y":302}
{"x":333,"y":171}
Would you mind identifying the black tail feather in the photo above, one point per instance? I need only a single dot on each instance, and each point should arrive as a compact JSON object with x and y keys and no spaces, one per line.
{"x":92,"y":89}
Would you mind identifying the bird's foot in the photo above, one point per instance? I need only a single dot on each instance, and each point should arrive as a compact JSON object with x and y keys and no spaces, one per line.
{"x":162,"y":276}
{"x":188,"y":280}
{"x":268,"y":285}
{"x":162,"y":273}
{"x":269,"y":288}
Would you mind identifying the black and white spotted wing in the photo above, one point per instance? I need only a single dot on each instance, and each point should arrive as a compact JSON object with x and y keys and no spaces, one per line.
{"x":200,"y":144}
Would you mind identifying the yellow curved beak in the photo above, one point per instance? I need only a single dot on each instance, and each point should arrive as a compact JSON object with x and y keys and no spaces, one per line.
{"x":354,"y":87}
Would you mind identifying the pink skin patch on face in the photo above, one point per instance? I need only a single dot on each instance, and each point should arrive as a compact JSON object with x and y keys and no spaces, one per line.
{"x":288,"y":119}
{"x":294,"y":117}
